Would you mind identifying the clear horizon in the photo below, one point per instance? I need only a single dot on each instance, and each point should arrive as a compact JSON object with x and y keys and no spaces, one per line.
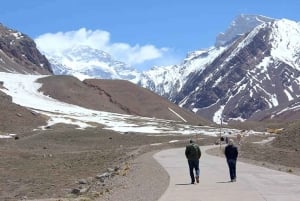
{"x":142,"y":34}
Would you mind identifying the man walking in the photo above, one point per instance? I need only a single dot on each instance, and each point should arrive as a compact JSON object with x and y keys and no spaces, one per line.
{"x":193,"y":154}
{"x":231,"y":153}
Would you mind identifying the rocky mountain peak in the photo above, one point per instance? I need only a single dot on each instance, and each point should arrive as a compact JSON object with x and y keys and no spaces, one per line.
{"x":86,"y":52}
{"x":18,"y":53}
{"x":241,"y":24}
{"x":255,"y":77}
{"x":84,"y":61}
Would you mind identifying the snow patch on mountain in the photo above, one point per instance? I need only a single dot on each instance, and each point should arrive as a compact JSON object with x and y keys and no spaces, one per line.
{"x":167,"y":81}
{"x":86,"y":62}
{"x":286,"y":43}
{"x":257,"y":72}
{"x":24,"y":91}
{"x":239,"y":26}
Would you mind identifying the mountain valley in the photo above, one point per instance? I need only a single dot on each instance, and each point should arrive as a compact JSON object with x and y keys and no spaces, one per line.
{"x":67,"y":120}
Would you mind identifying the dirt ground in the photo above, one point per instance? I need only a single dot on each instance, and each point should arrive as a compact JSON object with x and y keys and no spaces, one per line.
{"x":64,"y":162}
{"x":52,"y":163}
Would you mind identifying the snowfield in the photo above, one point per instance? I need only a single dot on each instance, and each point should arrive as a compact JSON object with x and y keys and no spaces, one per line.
{"x":24,"y":91}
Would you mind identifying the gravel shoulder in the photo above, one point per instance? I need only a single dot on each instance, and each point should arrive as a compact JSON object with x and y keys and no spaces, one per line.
{"x":63,"y":163}
{"x":146,"y":181}
{"x":46,"y":166}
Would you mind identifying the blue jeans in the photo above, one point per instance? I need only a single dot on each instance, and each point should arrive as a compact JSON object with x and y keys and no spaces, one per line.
{"x":232,"y":168}
{"x":194,"y":164}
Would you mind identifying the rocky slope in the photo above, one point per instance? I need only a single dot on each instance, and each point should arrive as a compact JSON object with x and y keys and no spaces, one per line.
{"x":251,"y":74}
{"x":18,"y":54}
{"x":257,"y":77}
{"x":17,"y":119}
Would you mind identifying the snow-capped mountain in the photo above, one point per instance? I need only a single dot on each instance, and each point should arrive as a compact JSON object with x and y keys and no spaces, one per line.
{"x":86,"y":62}
{"x":252,"y":72}
{"x":167,"y":81}
{"x":256,"y":74}
{"x":239,"y":26}
{"x":248,"y":75}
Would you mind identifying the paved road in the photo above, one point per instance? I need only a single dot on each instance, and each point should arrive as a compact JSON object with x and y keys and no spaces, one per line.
{"x":253,"y":183}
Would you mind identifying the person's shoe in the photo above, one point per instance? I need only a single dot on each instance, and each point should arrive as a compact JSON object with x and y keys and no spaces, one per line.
{"x":192,"y":182}
{"x":197,"y":179}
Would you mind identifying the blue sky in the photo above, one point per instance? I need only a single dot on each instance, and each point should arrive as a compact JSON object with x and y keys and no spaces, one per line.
{"x":148,"y":32}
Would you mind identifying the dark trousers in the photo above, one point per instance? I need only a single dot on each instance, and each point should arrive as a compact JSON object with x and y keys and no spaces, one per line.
{"x":194,"y":165}
{"x":232,"y":168}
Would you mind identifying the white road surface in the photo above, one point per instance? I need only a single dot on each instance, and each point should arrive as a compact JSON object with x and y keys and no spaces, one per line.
{"x":253,"y":183}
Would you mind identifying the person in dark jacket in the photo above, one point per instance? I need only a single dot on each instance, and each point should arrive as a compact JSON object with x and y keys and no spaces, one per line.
{"x":193,"y":154}
{"x":231,"y":153}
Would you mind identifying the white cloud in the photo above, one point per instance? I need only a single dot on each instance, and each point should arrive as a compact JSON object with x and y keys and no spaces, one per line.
{"x":56,"y":43}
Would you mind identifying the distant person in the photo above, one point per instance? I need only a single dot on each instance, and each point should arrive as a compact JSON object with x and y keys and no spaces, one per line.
{"x":239,"y":138}
{"x":226,"y":139}
{"x":193,"y":154}
{"x":231,"y":153}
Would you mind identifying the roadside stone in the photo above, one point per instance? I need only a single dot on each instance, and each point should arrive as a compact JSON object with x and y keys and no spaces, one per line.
{"x":117,"y":168}
{"x":19,"y":114}
{"x":103,"y":176}
{"x":82,"y":181}
{"x":83,"y":190}
{"x":34,"y":113}
{"x":75,"y":191}
{"x":110,"y":170}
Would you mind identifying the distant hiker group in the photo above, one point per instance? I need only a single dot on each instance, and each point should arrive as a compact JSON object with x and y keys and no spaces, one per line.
{"x":193,"y":154}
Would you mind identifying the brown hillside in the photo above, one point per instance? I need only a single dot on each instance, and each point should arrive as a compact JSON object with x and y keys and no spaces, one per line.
{"x":290,"y":138}
{"x":17,"y":119}
{"x":114,"y":96}
{"x":141,"y":101}
{"x":71,"y":90}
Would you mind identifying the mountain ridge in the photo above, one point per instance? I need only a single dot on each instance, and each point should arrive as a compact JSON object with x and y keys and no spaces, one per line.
{"x":85,"y":62}
{"x":18,"y":53}
{"x":256,"y":48}
{"x":250,"y":57}
{"x":252,"y":73}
